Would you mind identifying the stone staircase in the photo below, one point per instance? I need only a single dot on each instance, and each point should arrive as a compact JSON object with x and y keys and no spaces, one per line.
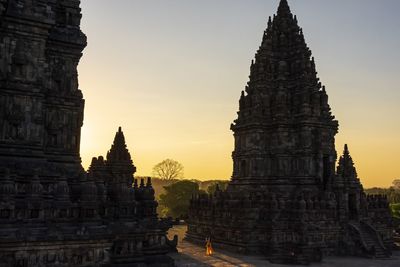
{"x":371,"y":240}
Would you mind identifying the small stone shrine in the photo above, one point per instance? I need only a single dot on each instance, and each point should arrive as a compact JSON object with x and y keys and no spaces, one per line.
{"x":52,"y":212}
{"x":285,"y":199}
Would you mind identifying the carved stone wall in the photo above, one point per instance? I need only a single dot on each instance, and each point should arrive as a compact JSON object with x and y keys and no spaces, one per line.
{"x":52,"y":212}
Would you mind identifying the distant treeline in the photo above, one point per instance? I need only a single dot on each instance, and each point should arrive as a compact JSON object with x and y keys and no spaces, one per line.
{"x":392,"y":194}
{"x":173,"y":196}
{"x":159,"y":184}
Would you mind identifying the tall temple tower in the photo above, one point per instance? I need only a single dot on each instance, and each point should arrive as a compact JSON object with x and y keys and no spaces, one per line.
{"x":284,"y":133}
{"x":285,"y":199}
{"x":41,"y":105}
{"x":79,"y":218}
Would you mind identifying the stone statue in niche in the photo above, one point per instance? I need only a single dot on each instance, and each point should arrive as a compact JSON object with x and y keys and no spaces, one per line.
{"x":15,"y":116}
{"x":56,"y":125}
{"x":22,"y":63}
{"x":19,"y":60}
{"x":3,"y":4}
{"x":71,"y":75}
{"x":253,"y":141}
{"x":29,"y":7}
{"x":36,"y":119}
{"x":284,"y":140}
{"x":64,"y":75}
{"x":4,"y":57}
{"x":285,"y":165}
{"x":306,"y":165}
{"x":306,"y":138}
{"x":238,"y":143}
{"x":32,"y":119}
{"x":58,"y":74}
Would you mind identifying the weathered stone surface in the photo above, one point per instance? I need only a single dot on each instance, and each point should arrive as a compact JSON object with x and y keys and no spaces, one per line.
{"x":285,"y":199}
{"x":52,"y":212}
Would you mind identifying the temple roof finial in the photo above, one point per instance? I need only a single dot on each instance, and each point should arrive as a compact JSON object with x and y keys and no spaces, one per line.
{"x":149,"y":184}
{"x":283,"y":8}
{"x":346,"y":149}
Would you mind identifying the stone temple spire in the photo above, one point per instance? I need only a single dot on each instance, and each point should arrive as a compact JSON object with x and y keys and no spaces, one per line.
{"x":119,"y":155}
{"x":346,"y":168}
{"x":283,"y":79}
{"x":284,"y":112}
{"x":118,"y":151}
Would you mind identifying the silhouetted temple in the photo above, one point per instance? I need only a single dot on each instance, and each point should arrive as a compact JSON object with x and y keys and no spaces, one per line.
{"x":52,"y":212}
{"x":285,"y":200}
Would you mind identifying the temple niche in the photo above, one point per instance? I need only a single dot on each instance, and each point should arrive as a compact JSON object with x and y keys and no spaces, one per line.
{"x":286,"y":199}
{"x":99,"y":217}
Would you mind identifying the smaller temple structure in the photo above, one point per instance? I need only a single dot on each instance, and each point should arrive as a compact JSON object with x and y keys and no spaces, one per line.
{"x":105,"y":219}
{"x":128,"y":209}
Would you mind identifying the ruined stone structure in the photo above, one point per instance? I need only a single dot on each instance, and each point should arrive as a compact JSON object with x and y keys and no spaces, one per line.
{"x":285,"y":199}
{"x":52,"y":212}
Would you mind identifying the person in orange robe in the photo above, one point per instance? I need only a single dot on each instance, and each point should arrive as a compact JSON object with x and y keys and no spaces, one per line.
{"x":209,"y":250}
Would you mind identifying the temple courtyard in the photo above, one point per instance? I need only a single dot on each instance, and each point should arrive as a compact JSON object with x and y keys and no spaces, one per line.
{"x":191,"y":255}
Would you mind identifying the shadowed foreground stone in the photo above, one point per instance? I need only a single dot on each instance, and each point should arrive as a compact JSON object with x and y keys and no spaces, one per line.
{"x":52,"y":212}
{"x":192,"y":255}
{"x":285,"y":200}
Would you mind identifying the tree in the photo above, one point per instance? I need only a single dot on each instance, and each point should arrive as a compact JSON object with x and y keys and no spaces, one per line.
{"x":396,"y":184}
{"x":395,"y":208}
{"x":177,"y":197}
{"x":168,"y":169}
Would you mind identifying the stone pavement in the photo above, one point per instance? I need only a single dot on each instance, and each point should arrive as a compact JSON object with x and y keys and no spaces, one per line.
{"x":191,"y":255}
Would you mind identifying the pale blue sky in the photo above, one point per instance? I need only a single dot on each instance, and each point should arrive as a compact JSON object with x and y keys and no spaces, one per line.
{"x":170,"y":73}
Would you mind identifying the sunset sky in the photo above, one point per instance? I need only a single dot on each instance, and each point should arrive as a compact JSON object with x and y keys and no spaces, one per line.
{"x":170,"y":72}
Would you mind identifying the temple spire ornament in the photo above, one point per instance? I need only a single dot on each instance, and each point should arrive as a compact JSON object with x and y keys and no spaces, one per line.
{"x":283,"y":8}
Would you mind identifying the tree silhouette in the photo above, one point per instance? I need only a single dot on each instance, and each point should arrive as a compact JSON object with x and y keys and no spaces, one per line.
{"x":168,"y":169}
{"x":177,"y":198}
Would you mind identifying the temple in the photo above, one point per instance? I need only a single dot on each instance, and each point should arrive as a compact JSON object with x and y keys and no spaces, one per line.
{"x":285,"y":199}
{"x":53,"y":212}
